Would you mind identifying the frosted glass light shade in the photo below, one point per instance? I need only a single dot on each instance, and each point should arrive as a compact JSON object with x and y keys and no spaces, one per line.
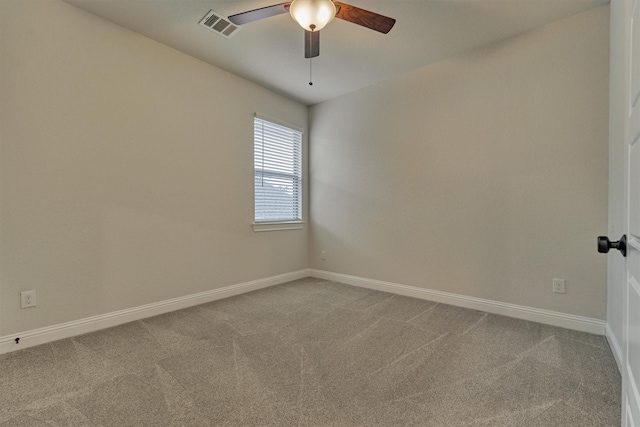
{"x":312,"y":15}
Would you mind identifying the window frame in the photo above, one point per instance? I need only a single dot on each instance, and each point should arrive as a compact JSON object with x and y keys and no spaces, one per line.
{"x":284,"y":224}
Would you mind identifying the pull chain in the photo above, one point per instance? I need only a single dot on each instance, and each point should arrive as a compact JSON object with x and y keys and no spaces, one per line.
{"x":310,"y":75}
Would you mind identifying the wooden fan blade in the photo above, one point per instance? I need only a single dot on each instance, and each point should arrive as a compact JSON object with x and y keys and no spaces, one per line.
{"x":311,"y":44}
{"x":263,"y":12}
{"x":363,"y":17}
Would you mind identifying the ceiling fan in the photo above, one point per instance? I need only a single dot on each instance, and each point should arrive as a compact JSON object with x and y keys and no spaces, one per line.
{"x":313,"y":15}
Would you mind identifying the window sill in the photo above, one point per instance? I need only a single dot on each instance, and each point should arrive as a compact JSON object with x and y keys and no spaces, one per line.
{"x":278,"y":226}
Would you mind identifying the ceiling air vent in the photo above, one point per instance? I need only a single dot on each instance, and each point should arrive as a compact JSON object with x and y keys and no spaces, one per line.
{"x":218,"y":24}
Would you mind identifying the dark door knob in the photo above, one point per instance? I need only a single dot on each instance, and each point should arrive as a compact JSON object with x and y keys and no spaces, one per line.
{"x":604,"y":244}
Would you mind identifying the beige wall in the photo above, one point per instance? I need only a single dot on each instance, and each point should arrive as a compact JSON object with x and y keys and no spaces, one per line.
{"x":125,"y":170}
{"x":483,"y":175}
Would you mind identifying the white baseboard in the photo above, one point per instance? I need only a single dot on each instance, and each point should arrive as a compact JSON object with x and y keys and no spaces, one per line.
{"x":94,"y":323}
{"x":615,"y":346}
{"x":554,"y":318}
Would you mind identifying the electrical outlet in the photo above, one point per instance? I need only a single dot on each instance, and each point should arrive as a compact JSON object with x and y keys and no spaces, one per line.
{"x":28,"y":299}
{"x":323,"y":255}
{"x":558,"y":286}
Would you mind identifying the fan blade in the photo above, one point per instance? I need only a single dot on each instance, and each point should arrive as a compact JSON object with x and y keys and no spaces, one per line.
{"x":263,"y":12}
{"x":311,"y":44}
{"x":363,"y":17}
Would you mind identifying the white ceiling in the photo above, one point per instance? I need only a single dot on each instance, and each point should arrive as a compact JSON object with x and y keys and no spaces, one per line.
{"x":270,"y":52}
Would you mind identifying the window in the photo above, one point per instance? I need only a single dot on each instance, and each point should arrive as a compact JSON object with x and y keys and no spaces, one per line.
{"x":277,"y":172}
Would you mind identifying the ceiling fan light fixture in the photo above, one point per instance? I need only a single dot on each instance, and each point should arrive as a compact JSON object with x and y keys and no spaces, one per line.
{"x":312,"y":15}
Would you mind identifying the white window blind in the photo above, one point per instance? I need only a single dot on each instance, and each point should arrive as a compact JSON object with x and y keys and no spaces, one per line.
{"x":277,"y":172}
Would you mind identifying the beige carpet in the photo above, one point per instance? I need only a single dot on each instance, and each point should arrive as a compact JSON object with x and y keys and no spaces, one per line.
{"x":316,"y":353}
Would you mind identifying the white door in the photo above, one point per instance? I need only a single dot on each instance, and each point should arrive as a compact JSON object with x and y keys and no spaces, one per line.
{"x":631,"y":311}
